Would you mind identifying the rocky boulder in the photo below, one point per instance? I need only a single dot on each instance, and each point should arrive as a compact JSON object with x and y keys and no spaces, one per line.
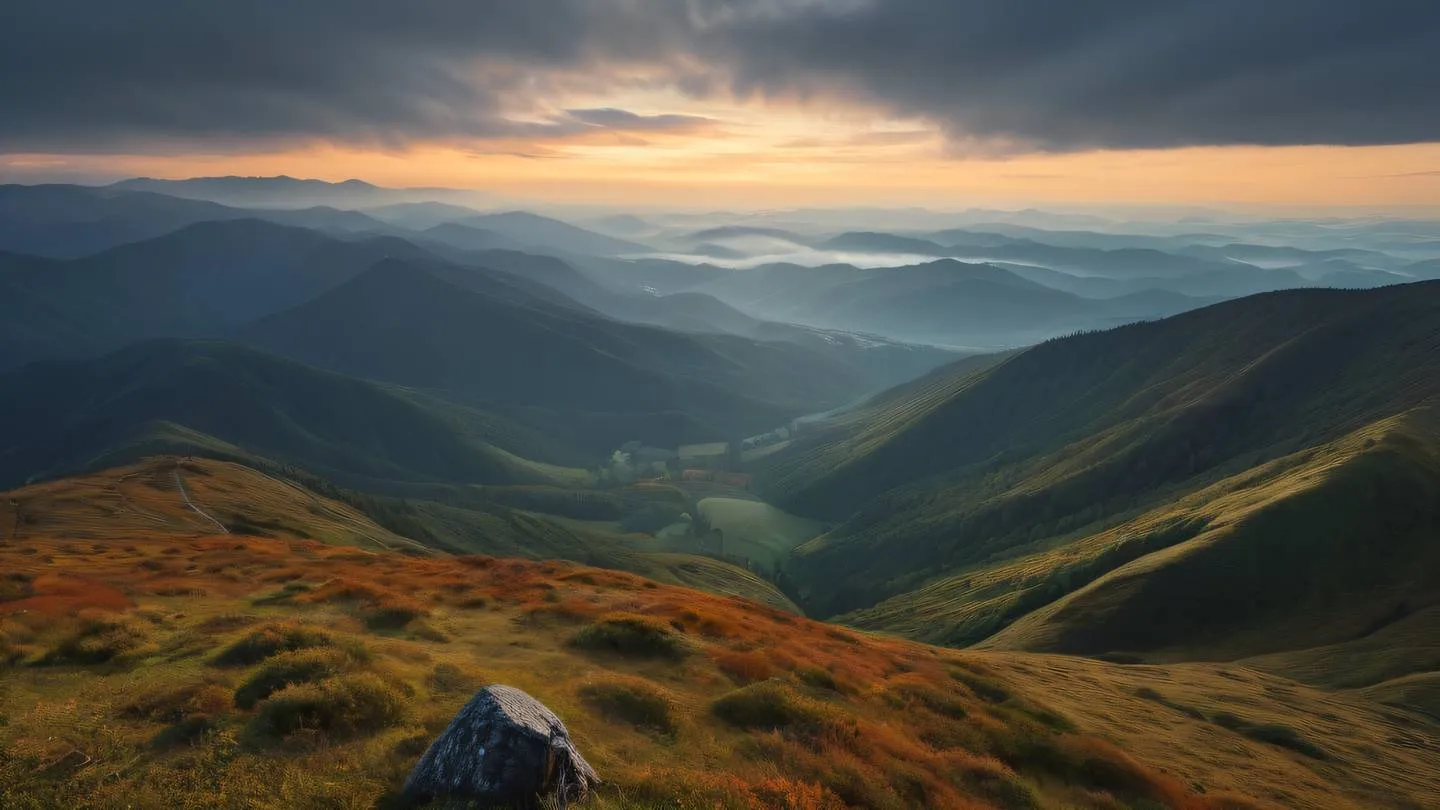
{"x":506,"y":749}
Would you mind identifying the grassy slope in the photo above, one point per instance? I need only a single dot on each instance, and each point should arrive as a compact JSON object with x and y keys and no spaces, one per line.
{"x":973,"y":604}
{"x":145,"y":497}
{"x":1328,"y":547}
{"x":157,"y":397}
{"x":870,"y":721}
{"x":1075,"y":437}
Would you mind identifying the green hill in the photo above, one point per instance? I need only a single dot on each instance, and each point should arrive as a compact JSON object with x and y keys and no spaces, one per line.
{"x":205,"y":280}
{"x":174,"y":396}
{"x":1332,"y":546}
{"x":977,"y":496}
{"x":594,"y":382}
{"x":197,"y":282}
{"x":524,"y":228}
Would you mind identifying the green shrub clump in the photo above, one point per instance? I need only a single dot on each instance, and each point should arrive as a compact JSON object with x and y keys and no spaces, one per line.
{"x":269,"y":641}
{"x":768,"y":706}
{"x":632,"y":635}
{"x":343,"y":706}
{"x":289,"y":669}
{"x":99,"y":639}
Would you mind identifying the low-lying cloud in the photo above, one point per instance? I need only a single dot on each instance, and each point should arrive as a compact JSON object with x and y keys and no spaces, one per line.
{"x":760,"y":251}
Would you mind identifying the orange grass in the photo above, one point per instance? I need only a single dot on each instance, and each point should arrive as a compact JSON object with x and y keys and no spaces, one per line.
{"x":760,"y":709}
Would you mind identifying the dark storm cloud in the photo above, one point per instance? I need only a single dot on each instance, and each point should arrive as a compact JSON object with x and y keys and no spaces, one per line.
{"x":1049,"y":74}
{"x":1072,"y":74}
{"x":88,"y":74}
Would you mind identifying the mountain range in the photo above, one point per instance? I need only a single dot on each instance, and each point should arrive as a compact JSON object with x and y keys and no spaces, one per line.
{"x":979,"y":509}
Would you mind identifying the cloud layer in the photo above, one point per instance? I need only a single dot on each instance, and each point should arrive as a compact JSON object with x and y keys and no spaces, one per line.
{"x":1060,"y":75}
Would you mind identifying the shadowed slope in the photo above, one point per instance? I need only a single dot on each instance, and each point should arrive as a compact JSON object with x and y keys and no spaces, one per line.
{"x":168,"y":396}
{"x":581,"y":377}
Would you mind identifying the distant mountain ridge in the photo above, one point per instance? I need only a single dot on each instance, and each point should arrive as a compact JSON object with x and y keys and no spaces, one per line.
{"x":66,"y":221}
{"x":199,"y":281}
{"x":288,"y":192}
{"x":594,"y":381}
{"x":945,"y":301}
{"x":532,"y":230}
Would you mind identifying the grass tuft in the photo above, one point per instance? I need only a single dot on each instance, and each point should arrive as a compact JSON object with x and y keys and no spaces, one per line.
{"x":272,"y":640}
{"x":769,"y":706}
{"x":289,"y":669}
{"x":100,"y":638}
{"x":745,"y":668}
{"x":633,"y":635}
{"x":339,"y":707}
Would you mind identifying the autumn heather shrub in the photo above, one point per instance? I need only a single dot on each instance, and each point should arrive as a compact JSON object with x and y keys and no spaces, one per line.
{"x":271,"y":640}
{"x":711,"y":625}
{"x":290,"y":669}
{"x":381,"y":608}
{"x":789,"y":794}
{"x":744,"y":667}
{"x":630,"y":700}
{"x":633,"y":635}
{"x":339,"y":707}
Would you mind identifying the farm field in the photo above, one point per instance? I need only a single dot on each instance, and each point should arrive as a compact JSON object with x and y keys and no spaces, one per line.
{"x":756,"y":530}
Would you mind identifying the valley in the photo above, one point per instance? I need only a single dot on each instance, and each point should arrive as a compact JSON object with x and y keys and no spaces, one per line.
{"x":123,"y":594}
{"x":781,"y":510}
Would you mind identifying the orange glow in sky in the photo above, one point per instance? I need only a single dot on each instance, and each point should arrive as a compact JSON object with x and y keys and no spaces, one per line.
{"x":766,"y":155}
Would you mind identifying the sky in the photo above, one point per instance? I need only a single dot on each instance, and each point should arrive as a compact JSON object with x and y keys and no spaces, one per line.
{"x":742,"y":102}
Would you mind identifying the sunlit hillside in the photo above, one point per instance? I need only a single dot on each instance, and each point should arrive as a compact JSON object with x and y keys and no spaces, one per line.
{"x":152,"y":661}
